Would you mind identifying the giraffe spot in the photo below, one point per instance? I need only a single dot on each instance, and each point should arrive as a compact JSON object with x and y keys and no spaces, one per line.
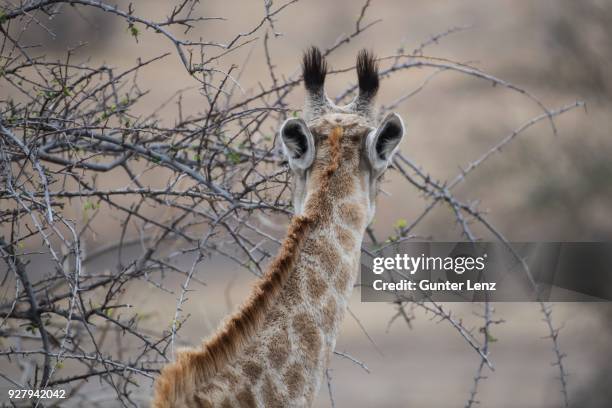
{"x":321,"y":202}
{"x":210,"y":388}
{"x":356,"y":139}
{"x":308,"y":333}
{"x":350,"y":153}
{"x":293,"y":289}
{"x":270,"y":395}
{"x":250,"y":350}
{"x":202,"y":402}
{"x":274,"y":316}
{"x":320,"y":205}
{"x":252,"y":371}
{"x":246,"y":399}
{"x":343,"y":277}
{"x":294,"y":380}
{"x":226,"y":403}
{"x":343,"y":186}
{"x":345,"y":238}
{"x":322,"y":248}
{"x":351,"y":214}
{"x":279,"y":346}
{"x":329,"y":315}
{"x":229,"y":378}
{"x":316,"y":285}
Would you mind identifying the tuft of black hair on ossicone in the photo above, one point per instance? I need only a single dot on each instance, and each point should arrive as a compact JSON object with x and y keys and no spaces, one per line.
{"x":367,"y":73}
{"x":314,"y":69}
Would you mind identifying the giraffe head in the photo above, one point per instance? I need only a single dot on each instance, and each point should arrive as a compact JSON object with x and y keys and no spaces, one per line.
{"x":365,"y":146}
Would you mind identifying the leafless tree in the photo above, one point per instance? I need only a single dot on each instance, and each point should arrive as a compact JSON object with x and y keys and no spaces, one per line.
{"x":67,"y":123}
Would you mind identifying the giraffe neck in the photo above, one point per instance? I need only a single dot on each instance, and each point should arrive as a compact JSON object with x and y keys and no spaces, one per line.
{"x":313,"y":302}
{"x":285,"y":363}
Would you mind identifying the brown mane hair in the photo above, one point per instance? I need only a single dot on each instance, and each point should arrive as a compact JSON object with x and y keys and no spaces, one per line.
{"x":194,"y":366}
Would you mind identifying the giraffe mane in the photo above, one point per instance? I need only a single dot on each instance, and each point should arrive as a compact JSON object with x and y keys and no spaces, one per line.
{"x":194,"y":366}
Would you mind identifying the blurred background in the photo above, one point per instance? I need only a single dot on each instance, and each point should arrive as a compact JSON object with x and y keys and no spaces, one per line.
{"x":543,"y":187}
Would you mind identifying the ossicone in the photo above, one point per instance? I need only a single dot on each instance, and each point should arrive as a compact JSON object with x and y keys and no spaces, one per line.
{"x":314,"y":70}
{"x":367,"y":74}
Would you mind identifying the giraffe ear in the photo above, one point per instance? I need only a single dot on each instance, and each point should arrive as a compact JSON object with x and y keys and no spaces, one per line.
{"x":298,"y":143}
{"x":383,"y":142}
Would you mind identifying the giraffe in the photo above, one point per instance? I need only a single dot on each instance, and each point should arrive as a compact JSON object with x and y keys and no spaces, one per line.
{"x":273,"y":352}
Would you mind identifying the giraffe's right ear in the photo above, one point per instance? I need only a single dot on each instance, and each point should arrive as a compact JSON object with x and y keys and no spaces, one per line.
{"x":383,"y":142}
{"x":298,"y":143}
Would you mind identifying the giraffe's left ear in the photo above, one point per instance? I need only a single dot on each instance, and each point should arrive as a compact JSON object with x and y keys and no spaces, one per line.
{"x":298,"y":143}
{"x":383,"y":142}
